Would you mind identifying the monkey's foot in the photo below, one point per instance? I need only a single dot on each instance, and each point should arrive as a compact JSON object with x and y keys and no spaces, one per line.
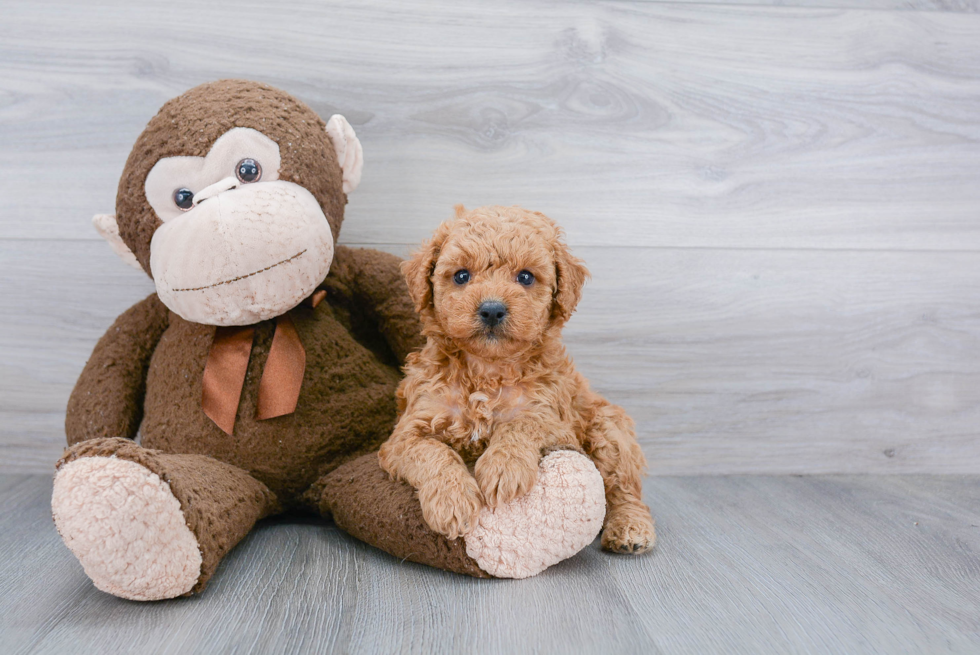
{"x":125,"y":526}
{"x":558,"y":517}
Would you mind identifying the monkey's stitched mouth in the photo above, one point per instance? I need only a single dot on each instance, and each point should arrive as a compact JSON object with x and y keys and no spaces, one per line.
{"x":242,"y":277}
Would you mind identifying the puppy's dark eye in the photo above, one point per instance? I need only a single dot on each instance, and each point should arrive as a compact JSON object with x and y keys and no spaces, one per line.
{"x":184,"y":199}
{"x":462,"y":276}
{"x":248,"y":170}
{"x":526,"y":278}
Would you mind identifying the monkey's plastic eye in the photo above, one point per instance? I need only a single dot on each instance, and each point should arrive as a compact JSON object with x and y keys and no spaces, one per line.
{"x":248,"y":170}
{"x":526,"y":278}
{"x":462,"y":276}
{"x":184,"y":199}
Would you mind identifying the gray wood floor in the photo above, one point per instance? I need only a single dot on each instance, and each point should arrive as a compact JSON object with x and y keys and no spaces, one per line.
{"x":837,"y":564}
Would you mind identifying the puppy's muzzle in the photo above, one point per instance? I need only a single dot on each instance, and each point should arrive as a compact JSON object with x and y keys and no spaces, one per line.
{"x":492,"y":313}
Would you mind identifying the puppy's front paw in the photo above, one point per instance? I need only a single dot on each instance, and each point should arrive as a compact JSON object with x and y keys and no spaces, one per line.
{"x":451,"y":506}
{"x":630,"y":531}
{"x":504,"y":475}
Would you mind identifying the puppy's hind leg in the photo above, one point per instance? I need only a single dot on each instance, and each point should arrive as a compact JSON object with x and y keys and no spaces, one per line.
{"x":611,"y":443}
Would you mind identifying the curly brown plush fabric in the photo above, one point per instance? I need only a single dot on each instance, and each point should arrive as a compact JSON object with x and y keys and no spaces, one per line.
{"x":108,"y":397}
{"x":366,"y":503}
{"x":153,"y":363}
{"x":346,"y":404}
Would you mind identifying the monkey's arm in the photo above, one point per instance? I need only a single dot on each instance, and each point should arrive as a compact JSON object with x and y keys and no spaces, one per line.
{"x":378,"y":285}
{"x":108,"y":398}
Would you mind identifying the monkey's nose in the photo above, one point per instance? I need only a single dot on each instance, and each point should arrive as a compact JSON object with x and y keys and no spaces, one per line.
{"x":492,"y":312}
{"x":226,"y":184}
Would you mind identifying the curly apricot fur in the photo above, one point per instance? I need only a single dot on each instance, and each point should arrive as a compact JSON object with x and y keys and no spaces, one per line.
{"x":499,"y":398}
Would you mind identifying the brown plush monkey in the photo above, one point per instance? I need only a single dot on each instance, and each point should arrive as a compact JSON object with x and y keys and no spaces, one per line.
{"x":267,"y":358}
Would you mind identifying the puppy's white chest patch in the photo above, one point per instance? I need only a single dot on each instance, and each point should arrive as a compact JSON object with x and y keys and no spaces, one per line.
{"x":488,"y":409}
{"x":482,"y":415}
{"x":475,"y":415}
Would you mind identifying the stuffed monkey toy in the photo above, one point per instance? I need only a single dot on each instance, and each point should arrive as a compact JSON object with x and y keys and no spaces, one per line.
{"x":260,"y":377}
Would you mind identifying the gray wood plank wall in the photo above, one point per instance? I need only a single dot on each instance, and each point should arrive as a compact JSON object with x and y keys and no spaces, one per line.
{"x":780,"y":205}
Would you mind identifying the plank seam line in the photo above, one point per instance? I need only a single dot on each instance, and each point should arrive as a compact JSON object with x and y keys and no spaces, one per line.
{"x":574,"y":245}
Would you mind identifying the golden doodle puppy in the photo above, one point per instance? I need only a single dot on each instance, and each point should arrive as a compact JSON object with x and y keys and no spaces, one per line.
{"x":493,"y":385}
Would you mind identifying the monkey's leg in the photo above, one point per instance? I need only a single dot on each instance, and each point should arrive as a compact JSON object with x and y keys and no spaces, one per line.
{"x":148,"y":525}
{"x":366,"y":503}
{"x":629,"y":527}
{"x":557,"y":518}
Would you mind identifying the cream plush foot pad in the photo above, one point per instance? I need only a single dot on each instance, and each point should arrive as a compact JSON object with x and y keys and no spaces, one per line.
{"x":561,"y":515}
{"x":125,"y":526}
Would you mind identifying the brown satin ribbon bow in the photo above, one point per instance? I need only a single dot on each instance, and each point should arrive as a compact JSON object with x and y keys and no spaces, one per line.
{"x":224,"y":372}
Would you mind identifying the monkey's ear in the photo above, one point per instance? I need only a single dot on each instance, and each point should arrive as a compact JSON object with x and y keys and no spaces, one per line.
{"x":105,"y":225}
{"x":350,"y":155}
{"x":570,"y":274}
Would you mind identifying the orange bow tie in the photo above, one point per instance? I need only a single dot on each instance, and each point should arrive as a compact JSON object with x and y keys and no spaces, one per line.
{"x":224,"y":372}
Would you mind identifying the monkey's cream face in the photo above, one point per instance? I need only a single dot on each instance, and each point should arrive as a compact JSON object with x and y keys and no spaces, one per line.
{"x":237,"y":244}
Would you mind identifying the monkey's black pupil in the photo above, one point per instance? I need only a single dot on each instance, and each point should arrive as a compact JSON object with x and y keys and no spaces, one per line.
{"x":249,"y":170}
{"x":184,"y":198}
{"x":525,"y":278}
{"x":461,"y":277}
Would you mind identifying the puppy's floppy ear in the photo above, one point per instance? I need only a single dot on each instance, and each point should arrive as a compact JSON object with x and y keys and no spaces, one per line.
{"x":570,"y":275}
{"x":418,"y":270}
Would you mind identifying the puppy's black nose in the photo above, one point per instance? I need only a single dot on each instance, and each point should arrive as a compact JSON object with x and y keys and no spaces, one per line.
{"x":492,"y":312}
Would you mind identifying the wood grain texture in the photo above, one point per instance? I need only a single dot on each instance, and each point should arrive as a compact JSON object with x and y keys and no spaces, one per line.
{"x":744,"y":565}
{"x":785,"y":361}
{"x":666,"y":124}
{"x":780,"y":204}
{"x":964,"y":6}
